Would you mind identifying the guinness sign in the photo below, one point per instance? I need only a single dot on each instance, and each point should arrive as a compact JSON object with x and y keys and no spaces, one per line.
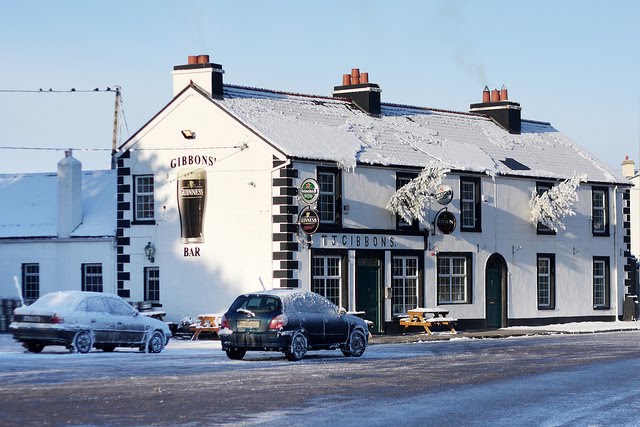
{"x":309,"y":221}
{"x":446,"y":222}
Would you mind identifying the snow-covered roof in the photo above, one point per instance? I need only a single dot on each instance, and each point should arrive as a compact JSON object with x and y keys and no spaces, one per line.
{"x":329,"y":129}
{"x":30,"y":205}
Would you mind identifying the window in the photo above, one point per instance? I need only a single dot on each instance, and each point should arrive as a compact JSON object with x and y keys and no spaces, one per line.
{"x":152,"y":284}
{"x":600,"y":282}
{"x":546,"y":281}
{"x":600,"y":211}
{"x":403,"y":179}
{"x":144,"y":203}
{"x":326,"y":277}
{"x":404,"y":282}
{"x":541,"y":188}
{"x":329,"y":200}
{"x":454,"y":278}
{"x":470,"y":204}
{"x":92,"y":277}
{"x":30,"y":282}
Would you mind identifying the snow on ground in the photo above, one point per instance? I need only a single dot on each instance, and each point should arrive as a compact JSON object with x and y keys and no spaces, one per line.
{"x":581,"y":327}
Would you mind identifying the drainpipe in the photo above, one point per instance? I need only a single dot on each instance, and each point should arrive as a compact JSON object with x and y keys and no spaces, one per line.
{"x":615,"y":251}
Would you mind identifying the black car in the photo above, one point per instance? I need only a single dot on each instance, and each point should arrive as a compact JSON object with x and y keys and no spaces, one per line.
{"x":83,"y":320}
{"x":292,"y":321}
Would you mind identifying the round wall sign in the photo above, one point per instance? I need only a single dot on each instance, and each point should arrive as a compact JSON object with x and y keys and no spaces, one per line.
{"x":446,"y":222}
{"x":309,"y":221}
{"x":444,"y":194}
{"x":309,"y":191}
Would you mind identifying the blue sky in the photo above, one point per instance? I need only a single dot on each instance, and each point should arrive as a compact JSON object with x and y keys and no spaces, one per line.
{"x":573,"y":63}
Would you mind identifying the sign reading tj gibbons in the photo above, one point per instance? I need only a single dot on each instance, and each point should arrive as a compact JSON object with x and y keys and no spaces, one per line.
{"x":309,"y":191}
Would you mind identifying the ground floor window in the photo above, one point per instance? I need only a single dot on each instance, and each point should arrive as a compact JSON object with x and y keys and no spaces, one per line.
{"x":454,"y":278}
{"x":30,"y":282}
{"x":601,"y":282}
{"x":404,"y":283}
{"x":546,"y":281}
{"x":152,"y":284}
{"x":326,"y":277}
{"x":92,"y":277}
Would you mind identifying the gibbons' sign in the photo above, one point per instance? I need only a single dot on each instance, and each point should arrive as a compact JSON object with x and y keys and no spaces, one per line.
{"x":367,"y":241}
{"x":309,"y":221}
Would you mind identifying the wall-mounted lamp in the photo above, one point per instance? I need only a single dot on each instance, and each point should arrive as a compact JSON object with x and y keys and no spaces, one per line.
{"x":188,"y":134}
{"x":575,"y":251}
{"x":514,"y":249}
{"x":150,"y":251}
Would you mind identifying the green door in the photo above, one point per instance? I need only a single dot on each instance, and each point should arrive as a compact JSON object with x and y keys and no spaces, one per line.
{"x":368,"y":290}
{"x":494,"y":277}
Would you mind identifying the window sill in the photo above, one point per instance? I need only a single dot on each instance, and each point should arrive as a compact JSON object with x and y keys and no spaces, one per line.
{"x":144,"y":222}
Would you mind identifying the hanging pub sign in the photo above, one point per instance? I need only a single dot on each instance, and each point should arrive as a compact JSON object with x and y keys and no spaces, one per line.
{"x":309,"y":191}
{"x":444,"y":194}
{"x":309,"y":221}
{"x":446,"y":222}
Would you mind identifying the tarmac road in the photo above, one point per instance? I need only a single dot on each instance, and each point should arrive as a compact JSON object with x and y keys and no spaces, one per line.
{"x":587,"y":379}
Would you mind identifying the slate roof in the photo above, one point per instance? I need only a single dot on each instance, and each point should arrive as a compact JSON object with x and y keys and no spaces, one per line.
{"x":330,"y":129}
{"x":31,"y":210}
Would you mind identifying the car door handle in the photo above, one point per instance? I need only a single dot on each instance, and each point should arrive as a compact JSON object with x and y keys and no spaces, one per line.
{"x":93,"y":320}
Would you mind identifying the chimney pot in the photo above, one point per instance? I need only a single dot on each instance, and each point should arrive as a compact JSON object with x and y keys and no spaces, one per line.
{"x":495,"y":95}
{"x":364,"y":78}
{"x":486,"y":95}
{"x":346,"y":80}
{"x":355,"y":76}
{"x":203,"y":59}
{"x":69,"y":153}
{"x":504,"y":95}
{"x":192,"y":59}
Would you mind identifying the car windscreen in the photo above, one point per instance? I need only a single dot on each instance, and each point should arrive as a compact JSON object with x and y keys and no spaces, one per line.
{"x":56,"y":301}
{"x":256,"y":303}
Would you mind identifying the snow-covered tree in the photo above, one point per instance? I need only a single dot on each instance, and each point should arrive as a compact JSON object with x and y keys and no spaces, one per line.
{"x":410,"y":200}
{"x":552,"y":206}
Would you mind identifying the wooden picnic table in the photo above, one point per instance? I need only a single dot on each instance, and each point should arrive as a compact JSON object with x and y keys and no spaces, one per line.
{"x":427,"y":317}
{"x":208,"y":323}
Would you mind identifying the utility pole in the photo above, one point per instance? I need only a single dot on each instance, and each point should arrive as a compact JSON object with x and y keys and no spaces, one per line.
{"x":114,"y":142}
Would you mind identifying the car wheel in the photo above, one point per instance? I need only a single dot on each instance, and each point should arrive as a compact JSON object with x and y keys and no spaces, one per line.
{"x":356,"y":345}
{"x":82,"y":342}
{"x":107,"y":348}
{"x":156,"y":342}
{"x":236,"y":353}
{"x":33,"y":347}
{"x":298,"y":347}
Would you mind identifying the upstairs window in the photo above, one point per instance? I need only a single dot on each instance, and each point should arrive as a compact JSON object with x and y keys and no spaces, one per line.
{"x":144,"y":203}
{"x":470,"y":204}
{"x":541,"y":188}
{"x":329,"y":200}
{"x":600,"y":211}
{"x":403,"y":179}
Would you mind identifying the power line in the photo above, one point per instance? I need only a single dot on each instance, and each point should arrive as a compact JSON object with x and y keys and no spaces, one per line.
{"x":130,"y":149}
{"x":72,"y":90}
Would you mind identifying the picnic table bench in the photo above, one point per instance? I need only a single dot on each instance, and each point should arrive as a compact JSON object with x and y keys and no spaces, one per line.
{"x":208,"y":323}
{"x":427,"y":317}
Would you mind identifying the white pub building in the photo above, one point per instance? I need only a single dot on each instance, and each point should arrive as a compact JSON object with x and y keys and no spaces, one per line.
{"x":229,"y":189}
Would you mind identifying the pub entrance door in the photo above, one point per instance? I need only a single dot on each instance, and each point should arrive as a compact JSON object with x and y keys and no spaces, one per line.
{"x":368,"y":285}
{"x":496,"y":293}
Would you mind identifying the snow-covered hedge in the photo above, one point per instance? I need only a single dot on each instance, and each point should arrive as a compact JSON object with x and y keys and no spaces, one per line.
{"x":410,"y":200}
{"x":551,"y":207}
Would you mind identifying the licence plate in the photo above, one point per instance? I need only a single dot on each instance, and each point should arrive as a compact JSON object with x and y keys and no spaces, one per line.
{"x":248,"y":324}
{"x":31,"y":319}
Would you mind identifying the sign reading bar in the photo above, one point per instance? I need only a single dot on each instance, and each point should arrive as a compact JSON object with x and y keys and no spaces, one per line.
{"x":367,"y":241}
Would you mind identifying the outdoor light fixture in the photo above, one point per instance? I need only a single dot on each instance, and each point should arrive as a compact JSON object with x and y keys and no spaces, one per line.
{"x":150,"y":251}
{"x":188,"y":134}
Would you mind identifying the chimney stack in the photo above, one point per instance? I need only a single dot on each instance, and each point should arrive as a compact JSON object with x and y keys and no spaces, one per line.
{"x":496,"y":105}
{"x":201,"y":72}
{"x":356,"y":87}
{"x":69,"y":195}
{"x":628,"y":167}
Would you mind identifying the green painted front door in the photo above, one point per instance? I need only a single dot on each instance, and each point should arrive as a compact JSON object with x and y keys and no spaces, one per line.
{"x":494,"y":295}
{"x":368,"y":290}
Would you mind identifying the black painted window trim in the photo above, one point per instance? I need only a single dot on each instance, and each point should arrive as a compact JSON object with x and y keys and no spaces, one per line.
{"x":477,"y":183}
{"x":607,"y":283}
{"x":338,"y":195}
{"x":606,"y":232}
{"x":469,"y":290}
{"x":552,"y":281}
{"x":541,"y":187}
{"x":400,"y":224}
